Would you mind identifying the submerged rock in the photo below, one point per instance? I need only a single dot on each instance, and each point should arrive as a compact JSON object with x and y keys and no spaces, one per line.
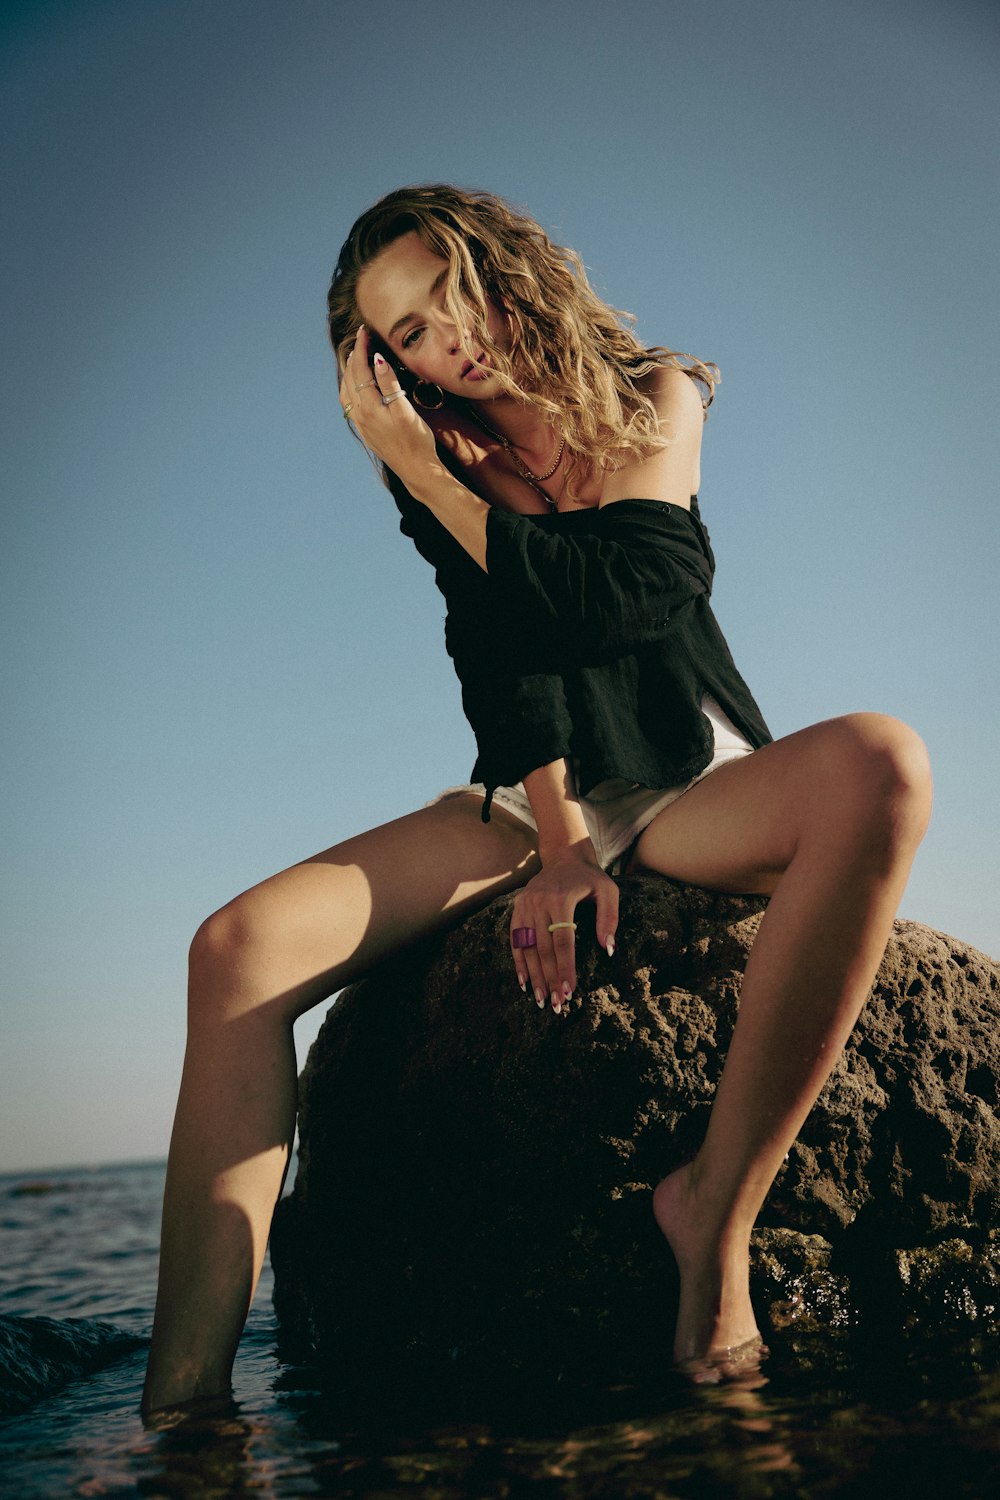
{"x":38,"y":1355}
{"x":474,"y":1173}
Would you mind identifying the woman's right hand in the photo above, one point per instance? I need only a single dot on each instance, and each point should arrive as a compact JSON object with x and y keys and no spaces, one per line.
{"x":373,"y":400}
{"x":397,"y":437}
{"x":548,"y":967}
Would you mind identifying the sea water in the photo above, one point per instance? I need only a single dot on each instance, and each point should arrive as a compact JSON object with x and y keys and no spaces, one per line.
{"x":837,"y":1416}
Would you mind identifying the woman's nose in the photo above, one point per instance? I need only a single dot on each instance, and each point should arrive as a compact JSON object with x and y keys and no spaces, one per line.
{"x":448,"y":331}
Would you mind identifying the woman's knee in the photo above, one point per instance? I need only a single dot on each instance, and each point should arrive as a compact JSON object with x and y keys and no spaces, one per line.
{"x":221,"y":942}
{"x":230,"y":954}
{"x":882,"y":778}
{"x":217,"y":949}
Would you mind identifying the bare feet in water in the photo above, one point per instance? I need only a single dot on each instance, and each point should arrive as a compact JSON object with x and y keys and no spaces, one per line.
{"x":717,"y":1336}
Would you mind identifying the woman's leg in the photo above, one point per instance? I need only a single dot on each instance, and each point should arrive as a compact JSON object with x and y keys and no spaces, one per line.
{"x":827,"y":822}
{"x":256,"y":965}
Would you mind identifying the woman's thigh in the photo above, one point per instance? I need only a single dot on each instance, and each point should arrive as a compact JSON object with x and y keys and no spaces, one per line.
{"x":739,"y":829}
{"x":304,"y":933}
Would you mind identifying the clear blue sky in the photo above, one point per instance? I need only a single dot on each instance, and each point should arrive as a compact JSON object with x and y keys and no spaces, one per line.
{"x":219,"y":654}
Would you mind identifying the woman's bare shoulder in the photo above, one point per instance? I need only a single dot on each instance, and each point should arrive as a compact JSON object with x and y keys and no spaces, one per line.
{"x":676,"y":395}
{"x":672,"y":473}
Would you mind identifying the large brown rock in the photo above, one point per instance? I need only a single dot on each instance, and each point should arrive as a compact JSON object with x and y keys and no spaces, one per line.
{"x":475,"y":1174}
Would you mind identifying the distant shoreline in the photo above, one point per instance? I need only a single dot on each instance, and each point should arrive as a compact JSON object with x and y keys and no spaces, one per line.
{"x":42,"y":1174}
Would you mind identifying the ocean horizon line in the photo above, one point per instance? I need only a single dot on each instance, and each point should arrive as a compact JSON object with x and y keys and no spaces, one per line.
{"x":63,"y":1169}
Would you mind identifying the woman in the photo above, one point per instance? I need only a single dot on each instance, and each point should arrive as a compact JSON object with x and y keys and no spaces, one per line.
{"x":544,"y":461}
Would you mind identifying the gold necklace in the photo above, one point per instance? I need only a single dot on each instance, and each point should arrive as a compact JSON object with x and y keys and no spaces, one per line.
{"x":532,"y":478}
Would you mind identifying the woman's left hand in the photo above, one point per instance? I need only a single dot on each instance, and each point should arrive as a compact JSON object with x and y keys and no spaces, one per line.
{"x":549,"y":900}
{"x":375,"y":402}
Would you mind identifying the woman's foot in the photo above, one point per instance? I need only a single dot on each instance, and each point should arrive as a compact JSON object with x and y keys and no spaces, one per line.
{"x":717,"y":1336}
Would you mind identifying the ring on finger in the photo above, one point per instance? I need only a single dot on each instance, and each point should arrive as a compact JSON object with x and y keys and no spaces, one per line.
{"x":554,"y":926}
{"x":347,"y":411}
{"x":523,"y":937}
{"x":360,"y":388}
{"x":393,"y":396}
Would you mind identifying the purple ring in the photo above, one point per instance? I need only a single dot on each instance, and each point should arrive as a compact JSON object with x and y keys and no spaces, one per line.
{"x":523,"y":937}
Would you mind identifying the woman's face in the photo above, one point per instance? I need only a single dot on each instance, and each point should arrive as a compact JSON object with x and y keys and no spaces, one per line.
{"x":401,"y":298}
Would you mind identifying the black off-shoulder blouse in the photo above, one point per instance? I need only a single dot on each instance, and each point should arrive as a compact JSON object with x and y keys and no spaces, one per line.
{"x":590,"y":635}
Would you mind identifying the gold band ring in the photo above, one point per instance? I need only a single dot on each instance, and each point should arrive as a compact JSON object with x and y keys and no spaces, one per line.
{"x":347,"y":411}
{"x":554,"y":926}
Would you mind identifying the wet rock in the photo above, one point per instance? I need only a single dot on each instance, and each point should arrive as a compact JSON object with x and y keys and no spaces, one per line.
{"x":38,"y":1355}
{"x":474,"y":1173}
{"x":795,"y":1284}
{"x":951,"y":1283}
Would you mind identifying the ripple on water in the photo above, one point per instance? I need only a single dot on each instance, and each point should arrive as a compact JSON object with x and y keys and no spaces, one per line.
{"x":921,"y":1427}
{"x":836,"y":1415}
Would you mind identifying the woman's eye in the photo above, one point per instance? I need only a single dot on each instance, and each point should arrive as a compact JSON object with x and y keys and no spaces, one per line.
{"x":410,"y":338}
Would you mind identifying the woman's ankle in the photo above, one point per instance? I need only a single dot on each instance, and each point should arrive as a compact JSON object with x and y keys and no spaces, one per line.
{"x":173,"y":1382}
{"x":715,"y":1314}
{"x":156,"y":1412}
{"x":700,"y":1229}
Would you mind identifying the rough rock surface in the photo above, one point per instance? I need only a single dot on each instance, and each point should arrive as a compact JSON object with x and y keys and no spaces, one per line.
{"x":474,"y":1173}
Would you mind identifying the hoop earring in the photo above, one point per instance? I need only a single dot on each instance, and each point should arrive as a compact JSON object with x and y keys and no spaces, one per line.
{"x":431,"y":405}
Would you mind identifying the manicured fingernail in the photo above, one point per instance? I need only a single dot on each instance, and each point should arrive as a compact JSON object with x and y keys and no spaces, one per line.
{"x":556,"y":1002}
{"x":567,"y":989}
{"x":610,"y":946}
{"x":522,"y":982}
{"x":540,"y":997}
{"x":379,"y":362}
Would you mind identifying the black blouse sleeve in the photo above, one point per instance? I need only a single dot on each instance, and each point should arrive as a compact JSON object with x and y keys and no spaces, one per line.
{"x":599,"y":580}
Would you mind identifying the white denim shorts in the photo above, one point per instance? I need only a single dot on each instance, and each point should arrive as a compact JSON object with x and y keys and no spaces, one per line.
{"x":616,"y":812}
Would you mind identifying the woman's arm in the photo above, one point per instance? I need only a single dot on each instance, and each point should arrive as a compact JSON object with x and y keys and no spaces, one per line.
{"x":392,"y":429}
{"x":456,"y":507}
{"x":570,"y":874}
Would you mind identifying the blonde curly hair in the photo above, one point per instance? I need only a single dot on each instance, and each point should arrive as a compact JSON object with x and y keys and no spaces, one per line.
{"x":572,"y":356}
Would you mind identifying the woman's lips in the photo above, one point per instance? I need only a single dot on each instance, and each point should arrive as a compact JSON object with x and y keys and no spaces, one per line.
{"x":470,"y":371}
